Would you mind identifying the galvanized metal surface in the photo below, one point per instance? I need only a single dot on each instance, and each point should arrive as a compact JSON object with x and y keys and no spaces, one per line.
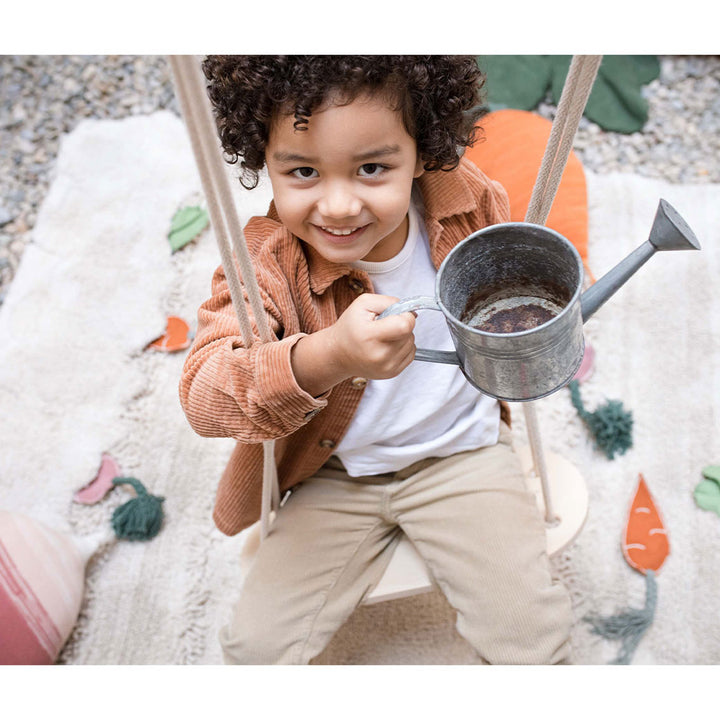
{"x":511,"y":296}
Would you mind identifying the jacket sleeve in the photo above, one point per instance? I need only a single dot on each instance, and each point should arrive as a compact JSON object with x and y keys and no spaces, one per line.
{"x":248,"y":393}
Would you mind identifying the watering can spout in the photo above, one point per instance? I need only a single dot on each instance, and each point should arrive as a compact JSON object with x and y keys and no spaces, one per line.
{"x":669,"y":232}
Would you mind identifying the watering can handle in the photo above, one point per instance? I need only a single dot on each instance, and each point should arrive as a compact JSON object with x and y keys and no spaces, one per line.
{"x":419,"y":302}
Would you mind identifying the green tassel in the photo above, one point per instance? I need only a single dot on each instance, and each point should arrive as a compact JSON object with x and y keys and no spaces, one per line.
{"x":139,"y":518}
{"x":628,"y":625}
{"x":611,"y":425}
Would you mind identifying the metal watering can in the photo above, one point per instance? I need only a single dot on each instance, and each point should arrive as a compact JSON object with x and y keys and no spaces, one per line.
{"x":511,"y":296}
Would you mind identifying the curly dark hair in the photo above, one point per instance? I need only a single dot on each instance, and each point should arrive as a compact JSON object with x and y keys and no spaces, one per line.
{"x":439,"y":97}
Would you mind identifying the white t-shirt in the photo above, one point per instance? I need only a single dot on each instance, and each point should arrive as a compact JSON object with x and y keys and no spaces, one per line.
{"x":430,"y":409}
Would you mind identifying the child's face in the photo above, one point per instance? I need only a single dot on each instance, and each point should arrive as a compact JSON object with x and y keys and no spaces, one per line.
{"x":343,"y":185}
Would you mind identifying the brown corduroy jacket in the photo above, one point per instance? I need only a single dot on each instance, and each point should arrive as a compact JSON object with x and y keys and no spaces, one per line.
{"x":251,"y":394}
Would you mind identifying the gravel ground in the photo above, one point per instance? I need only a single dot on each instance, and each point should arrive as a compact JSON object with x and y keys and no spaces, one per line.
{"x":42,"y":97}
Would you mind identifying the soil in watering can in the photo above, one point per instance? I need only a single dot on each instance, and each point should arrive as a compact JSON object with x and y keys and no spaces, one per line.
{"x":514,"y":309}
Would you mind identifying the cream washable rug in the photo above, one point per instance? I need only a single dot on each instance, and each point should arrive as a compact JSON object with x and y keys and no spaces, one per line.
{"x":95,"y":286}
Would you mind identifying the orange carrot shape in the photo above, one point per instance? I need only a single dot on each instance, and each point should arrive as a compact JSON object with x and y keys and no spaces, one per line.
{"x":645,"y":547}
{"x":177,"y":336}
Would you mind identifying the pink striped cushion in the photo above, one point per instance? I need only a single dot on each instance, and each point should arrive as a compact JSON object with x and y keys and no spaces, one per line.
{"x":42,"y":576}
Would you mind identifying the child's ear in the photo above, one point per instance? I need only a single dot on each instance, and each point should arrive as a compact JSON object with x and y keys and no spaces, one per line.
{"x":419,"y":169}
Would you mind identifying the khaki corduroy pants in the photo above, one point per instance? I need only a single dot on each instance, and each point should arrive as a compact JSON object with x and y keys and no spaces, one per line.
{"x":471,"y":519}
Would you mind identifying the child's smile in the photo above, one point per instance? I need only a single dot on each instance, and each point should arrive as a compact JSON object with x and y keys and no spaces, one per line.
{"x":343,"y":185}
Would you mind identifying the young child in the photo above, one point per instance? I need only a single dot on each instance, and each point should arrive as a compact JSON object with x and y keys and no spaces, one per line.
{"x":370,"y":193}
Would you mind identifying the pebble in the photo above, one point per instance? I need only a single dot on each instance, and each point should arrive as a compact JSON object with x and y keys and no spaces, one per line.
{"x":44,"y":97}
{"x":5,"y":216}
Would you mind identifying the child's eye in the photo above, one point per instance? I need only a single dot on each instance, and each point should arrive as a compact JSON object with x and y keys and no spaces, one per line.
{"x":372,"y":169}
{"x":304,"y":173}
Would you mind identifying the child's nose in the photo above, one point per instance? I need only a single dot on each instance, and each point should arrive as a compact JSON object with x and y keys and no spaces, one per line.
{"x":339,"y":201}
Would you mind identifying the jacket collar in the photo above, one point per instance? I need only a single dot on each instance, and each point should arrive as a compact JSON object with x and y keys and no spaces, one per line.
{"x":446,"y":193}
{"x":322,"y":272}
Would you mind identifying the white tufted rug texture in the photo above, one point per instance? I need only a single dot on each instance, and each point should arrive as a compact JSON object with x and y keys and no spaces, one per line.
{"x":95,"y":286}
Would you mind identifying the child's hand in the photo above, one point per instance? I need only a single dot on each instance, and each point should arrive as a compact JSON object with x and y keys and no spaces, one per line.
{"x":372,"y":348}
{"x":357,"y":345}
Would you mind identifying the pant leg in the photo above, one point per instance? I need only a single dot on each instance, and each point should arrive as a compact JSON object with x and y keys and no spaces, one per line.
{"x":483,"y":539}
{"x":326,"y":549}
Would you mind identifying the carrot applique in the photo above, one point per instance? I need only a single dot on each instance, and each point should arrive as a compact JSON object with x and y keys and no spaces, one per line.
{"x":646,"y":544}
{"x":101,"y":484}
{"x":177,"y":336}
{"x":645,"y":547}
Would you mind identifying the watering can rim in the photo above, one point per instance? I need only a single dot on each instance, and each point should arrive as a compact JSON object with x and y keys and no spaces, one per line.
{"x":514,"y":224}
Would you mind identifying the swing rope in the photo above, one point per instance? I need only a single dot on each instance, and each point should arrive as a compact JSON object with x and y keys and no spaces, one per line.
{"x":575,"y":94}
{"x":577,"y":88}
{"x":196,"y":110}
{"x":197,"y":113}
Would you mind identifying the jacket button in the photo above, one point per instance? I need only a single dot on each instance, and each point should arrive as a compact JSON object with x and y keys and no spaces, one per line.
{"x":327,"y":443}
{"x":356,"y":285}
{"x":359,"y":382}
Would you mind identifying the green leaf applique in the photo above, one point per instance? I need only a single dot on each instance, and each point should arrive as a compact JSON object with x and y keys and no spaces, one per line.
{"x":707,"y":496}
{"x":186,"y":225}
{"x":515,"y":81}
{"x":712,"y":472}
{"x":616,"y":102}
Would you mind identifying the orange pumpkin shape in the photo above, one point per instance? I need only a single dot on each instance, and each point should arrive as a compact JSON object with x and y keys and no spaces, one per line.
{"x":511,"y":152}
{"x":645,"y":544}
